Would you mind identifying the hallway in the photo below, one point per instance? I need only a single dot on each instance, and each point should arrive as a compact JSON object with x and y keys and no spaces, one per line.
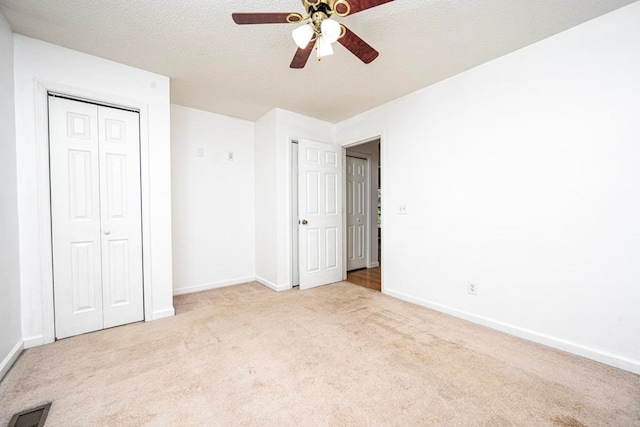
{"x":367,"y":277}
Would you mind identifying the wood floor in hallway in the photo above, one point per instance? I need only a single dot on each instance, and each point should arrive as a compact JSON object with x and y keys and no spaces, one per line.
{"x":367,"y":277}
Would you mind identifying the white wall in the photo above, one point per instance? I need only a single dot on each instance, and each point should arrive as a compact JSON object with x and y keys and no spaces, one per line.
{"x":266,"y":256}
{"x":41,"y":65}
{"x":522,"y":176}
{"x":10,"y":330}
{"x":213,"y":200}
{"x":274,"y":133}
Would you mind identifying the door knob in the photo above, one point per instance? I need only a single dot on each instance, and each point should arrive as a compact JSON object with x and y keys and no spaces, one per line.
{"x":304,"y":222}
{"x":107,"y":232}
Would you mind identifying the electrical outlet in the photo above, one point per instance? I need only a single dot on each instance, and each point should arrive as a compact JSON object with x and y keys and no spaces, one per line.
{"x":472,"y":289}
{"x":403,"y":210}
{"x":200,"y":152}
{"x":230,"y":156}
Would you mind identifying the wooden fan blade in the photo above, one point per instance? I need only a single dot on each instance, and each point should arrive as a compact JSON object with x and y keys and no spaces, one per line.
{"x":357,"y":46}
{"x":359,"y":5}
{"x":266,"y":18}
{"x":302,"y":55}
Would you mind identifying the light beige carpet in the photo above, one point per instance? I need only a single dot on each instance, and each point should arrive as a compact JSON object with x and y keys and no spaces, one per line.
{"x":339,"y":355}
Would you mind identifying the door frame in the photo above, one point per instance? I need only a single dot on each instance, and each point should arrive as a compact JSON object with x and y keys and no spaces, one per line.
{"x":295,"y":237}
{"x":382,"y":207}
{"x":367,"y":202}
{"x":43,"y":88}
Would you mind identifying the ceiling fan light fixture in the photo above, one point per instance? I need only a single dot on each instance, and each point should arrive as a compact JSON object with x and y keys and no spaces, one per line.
{"x":330,"y":30}
{"x":302,"y":35}
{"x":324,"y":47}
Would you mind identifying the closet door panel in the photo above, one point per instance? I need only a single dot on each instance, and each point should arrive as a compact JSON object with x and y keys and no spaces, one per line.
{"x":75,"y":216}
{"x":120,"y":207}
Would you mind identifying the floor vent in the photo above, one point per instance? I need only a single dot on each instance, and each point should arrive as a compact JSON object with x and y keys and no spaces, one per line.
{"x":32,"y":418}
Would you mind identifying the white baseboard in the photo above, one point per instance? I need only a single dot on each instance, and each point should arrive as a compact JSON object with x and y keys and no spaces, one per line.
{"x":272,"y":285}
{"x":33,"y":341}
{"x":374,"y":265}
{"x":601,"y":356}
{"x":161,"y":314}
{"x":207,"y":286}
{"x":11,"y":358}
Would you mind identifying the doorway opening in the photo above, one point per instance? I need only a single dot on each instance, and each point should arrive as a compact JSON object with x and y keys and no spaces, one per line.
{"x":358,"y":258}
{"x":363,"y":214}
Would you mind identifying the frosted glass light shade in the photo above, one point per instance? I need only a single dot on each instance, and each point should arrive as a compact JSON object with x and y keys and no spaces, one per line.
{"x":324,"y":47}
{"x":302,"y":35}
{"x":330,"y":30}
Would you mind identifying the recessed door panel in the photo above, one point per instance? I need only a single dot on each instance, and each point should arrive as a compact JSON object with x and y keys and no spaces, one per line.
{"x":115,"y":131}
{"x":312,"y":156}
{"x":83,"y":277}
{"x":361,"y":194}
{"x":351,"y":238}
{"x":79,"y":125}
{"x":119,"y":273}
{"x":313,"y":254}
{"x":331,"y":159}
{"x":331,"y":193}
{"x":360,"y":242}
{"x":313,"y":193}
{"x":116,"y":186}
{"x":81,"y":184}
{"x":331,"y":257}
{"x":350,"y":201}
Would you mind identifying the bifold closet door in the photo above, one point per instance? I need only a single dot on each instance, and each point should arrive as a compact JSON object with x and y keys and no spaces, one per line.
{"x":357,"y":213}
{"x":95,"y":215}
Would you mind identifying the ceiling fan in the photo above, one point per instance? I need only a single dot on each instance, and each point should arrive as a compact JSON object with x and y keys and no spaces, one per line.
{"x":318,"y":31}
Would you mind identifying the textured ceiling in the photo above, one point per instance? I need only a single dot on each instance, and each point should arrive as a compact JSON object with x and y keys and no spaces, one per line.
{"x":243,"y":71}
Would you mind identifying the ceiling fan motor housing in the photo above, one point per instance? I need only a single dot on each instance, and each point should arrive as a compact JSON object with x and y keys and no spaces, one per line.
{"x":320,"y":7}
{"x":330,"y":7}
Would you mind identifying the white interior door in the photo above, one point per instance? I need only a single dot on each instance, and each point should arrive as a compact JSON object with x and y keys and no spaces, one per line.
{"x":96,"y":216}
{"x":320,"y":213}
{"x":121,"y":213}
{"x":357,"y":213}
{"x":75,"y":216}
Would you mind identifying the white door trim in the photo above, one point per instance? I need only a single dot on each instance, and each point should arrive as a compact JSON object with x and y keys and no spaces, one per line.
{"x":44,"y":200}
{"x":295,"y":238}
{"x":379,"y":137}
